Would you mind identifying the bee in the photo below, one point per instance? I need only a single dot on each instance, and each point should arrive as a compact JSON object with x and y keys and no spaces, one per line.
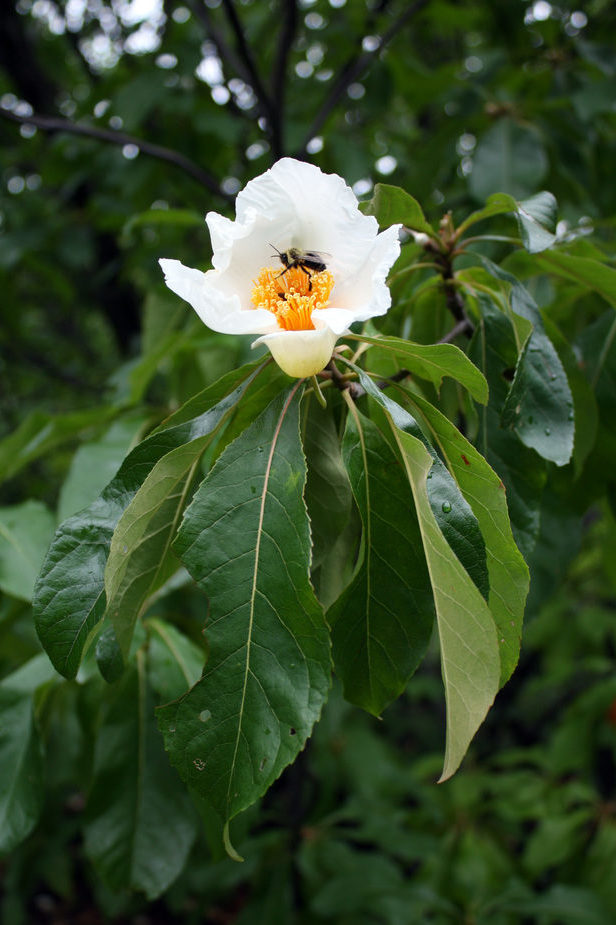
{"x":308,"y":261}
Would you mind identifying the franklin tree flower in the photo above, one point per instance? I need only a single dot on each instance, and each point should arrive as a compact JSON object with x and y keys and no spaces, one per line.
{"x":298,"y":266}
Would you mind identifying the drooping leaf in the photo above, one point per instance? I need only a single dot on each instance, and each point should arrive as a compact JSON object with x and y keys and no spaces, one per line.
{"x":469,"y":645}
{"x":539,"y":405}
{"x":536,"y":218}
{"x":591,"y":274}
{"x":382,"y":623}
{"x":392,"y":205}
{"x":523,"y":472}
{"x":109,"y":656}
{"x":141,"y":824}
{"x":246,"y":539}
{"x":485,"y":492}
{"x":334,"y":524}
{"x":435,"y":361}
{"x":25,"y":532}
{"x":140,"y":557}
{"x":69,"y":596}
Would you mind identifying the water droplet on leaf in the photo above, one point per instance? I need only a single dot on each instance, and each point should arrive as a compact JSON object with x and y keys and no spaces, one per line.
{"x":547,"y":431}
{"x":446,"y":507}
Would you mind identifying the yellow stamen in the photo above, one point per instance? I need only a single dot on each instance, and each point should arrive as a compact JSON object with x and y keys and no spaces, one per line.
{"x":292,"y":296}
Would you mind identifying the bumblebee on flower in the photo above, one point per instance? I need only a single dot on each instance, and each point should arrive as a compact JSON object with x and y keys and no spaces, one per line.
{"x":299,"y":309}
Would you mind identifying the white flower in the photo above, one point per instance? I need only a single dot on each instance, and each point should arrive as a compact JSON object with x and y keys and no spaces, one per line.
{"x":299,"y":311}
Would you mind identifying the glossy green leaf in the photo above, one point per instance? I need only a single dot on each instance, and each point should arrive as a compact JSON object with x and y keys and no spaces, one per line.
{"x":25,"y":532}
{"x":485,"y":492}
{"x":539,"y":405}
{"x":470,"y":659}
{"x":536,"y":218}
{"x":509,"y":158}
{"x":109,"y":656}
{"x":21,"y":768}
{"x":334,"y":525}
{"x":141,"y":823}
{"x":382,"y":623}
{"x":392,"y":205}
{"x":140,"y":558}
{"x":590,"y":274}
{"x":246,"y":539}
{"x":433,"y":362}
{"x":175,"y":661}
{"x":523,"y":472}
{"x":70,"y":594}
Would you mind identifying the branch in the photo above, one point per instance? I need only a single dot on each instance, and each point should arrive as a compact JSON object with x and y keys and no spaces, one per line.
{"x":248,"y":60}
{"x":225,"y":52}
{"x":277,"y":90}
{"x":462,"y":327}
{"x":353,"y":69}
{"x":53,"y":124}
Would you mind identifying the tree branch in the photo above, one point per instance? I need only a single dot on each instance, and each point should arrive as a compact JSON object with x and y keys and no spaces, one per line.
{"x":54,"y":124}
{"x":353,"y":69}
{"x":277,"y":90}
{"x":246,"y":57}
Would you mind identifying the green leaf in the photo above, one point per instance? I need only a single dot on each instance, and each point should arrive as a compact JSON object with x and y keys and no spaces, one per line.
{"x":539,"y":406}
{"x":334,"y":524}
{"x":485,"y":492}
{"x":523,"y":472}
{"x":509,"y":158}
{"x":39,"y":433}
{"x":25,"y":532}
{"x":469,"y":646}
{"x":69,"y":597}
{"x":140,"y":558}
{"x":392,"y":205}
{"x":141,"y":821}
{"x":175,"y":661}
{"x":433,"y":362}
{"x":21,"y":768}
{"x":590,"y":274}
{"x":246,"y":539}
{"x":536,"y":218}
{"x":109,"y":656}
{"x":382,"y":624}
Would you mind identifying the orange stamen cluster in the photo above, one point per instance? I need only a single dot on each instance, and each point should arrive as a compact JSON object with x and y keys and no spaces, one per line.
{"x":292,"y":296}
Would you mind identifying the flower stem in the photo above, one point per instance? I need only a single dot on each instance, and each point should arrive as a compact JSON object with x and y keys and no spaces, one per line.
{"x":317,"y":389}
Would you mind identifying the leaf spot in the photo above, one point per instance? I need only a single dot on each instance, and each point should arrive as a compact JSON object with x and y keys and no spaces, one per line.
{"x":204,"y":716}
{"x":199,"y":763}
{"x":292,"y":731}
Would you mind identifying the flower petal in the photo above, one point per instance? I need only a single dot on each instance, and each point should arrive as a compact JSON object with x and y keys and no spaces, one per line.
{"x":300,"y":353}
{"x":219,"y":311}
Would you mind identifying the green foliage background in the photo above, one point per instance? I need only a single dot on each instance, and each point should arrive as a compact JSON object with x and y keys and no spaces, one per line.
{"x":469,"y":99}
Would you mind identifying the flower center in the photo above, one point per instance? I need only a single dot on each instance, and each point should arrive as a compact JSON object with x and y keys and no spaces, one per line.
{"x":292,"y":295}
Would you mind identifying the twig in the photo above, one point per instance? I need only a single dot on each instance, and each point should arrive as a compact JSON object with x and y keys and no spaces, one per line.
{"x":353,"y":68}
{"x":54,"y":124}
{"x":225,"y":52}
{"x":462,"y":327}
{"x":246,"y":57}
{"x":277,"y":90}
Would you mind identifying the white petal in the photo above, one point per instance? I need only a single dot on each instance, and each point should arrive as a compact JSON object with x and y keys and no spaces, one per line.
{"x":220,"y":311}
{"x":366,"y":294}
{"x":337,"y":320}
{"x":300,"y":353}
